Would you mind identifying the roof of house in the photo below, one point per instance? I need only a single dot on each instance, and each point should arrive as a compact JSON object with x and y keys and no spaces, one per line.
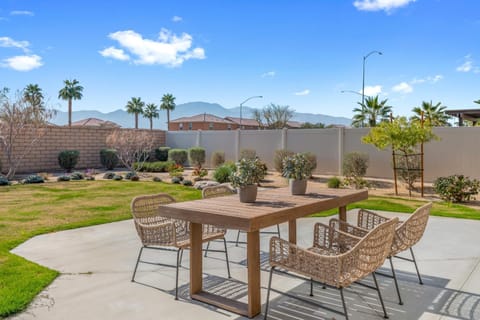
{"x":245,"y":121}
{"x":467,"y":114}
{"x":94,"y":122}
{"x":203,"y":117}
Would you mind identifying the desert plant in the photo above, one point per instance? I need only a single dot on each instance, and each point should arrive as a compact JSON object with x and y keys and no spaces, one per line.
{"x":312,"y":159}
{"x":196,"y":156}
{"x":199,"y":172}
{"x":33,"y":179}
{"x":218,"y":158}
{"x":67,"y":159}
{"x":63,"y":178}
{"x":109,"y":175}
{"x":89,"y":178}
{"x":355,"y":167}
{"x":278,"y":158}
{"x":77,"y":176}
{"x":175,"y":170}
{"x":135,"y":178}
{"x":249,"y":154}
{"x":222,"y":173}
{"x":249,"y":172}
{"x":157,"y":179}
{"x":4,"y":181}
{"x":456,"y":188}
{"x":187,"y":183}
{"x":44,"y":175}
{"x":179,"y":156}
{"x":109,"y":158}
{"x":297,"y":167}
{"x":263,"y":169}
{"x":176,"y":180}
{"x":157,"y":166}
{"x":162,"y":153}
{"x":334,"y":183}
{"x":129,"y":175}
{"x":117,"y":177}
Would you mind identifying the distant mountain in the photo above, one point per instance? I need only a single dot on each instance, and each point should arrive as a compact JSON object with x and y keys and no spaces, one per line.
{"x":126,"y":120}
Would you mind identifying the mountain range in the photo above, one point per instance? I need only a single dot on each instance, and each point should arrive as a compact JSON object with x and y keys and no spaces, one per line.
{"x":126,"y":120}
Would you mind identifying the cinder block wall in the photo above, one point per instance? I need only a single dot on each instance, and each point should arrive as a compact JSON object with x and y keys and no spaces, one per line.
{"x":88,"y":140}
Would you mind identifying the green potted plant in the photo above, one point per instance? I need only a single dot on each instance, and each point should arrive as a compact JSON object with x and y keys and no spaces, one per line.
{"x":246,"y":177}
{"x":297,"y":169}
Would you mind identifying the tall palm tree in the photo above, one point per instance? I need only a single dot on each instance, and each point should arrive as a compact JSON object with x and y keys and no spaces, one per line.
{"x":433,"y":115}
{"x":477,"y":101}
{"x":150,"y":112}
{"x":168,"y":103}
{"x":72,"y":90}
{"x":372,"y":112}
{"x":34,"y":96}
{"x":135,"y":106}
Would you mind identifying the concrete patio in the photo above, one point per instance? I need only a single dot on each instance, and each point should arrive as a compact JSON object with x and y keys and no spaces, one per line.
{"x":96,"y":265}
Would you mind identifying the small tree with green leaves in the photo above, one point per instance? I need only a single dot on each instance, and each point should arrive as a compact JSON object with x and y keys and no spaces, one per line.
{"x":402,"y":135}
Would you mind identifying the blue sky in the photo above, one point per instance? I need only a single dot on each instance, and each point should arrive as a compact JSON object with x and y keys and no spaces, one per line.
{"x":300,"y":53}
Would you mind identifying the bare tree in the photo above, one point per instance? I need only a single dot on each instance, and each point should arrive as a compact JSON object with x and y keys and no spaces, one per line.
{"x":21,"y":126}
{"x":132,"y":146}
{"x":273,"y":116}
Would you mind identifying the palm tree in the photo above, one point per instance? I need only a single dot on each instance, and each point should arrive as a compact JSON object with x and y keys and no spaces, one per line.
{"x":150,"y":112}
{"x":372,"y":112}
{"x":72,"y":90}
{"x":433,"y":115}
{"x":477,"y":101}
{"x":168,"y":103}
{"x":135,"y":106}
{"x":34,"y":96}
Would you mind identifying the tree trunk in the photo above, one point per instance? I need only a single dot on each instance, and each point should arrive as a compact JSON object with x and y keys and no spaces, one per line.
{"x":151,"y":123}
{"x":70,"y":112}
{"x":168,"y":119}
{"x":136,"y":120}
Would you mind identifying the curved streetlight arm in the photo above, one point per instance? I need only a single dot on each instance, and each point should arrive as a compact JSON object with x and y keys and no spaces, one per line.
{"x":363,"y":74}
{"x":241,"y":106}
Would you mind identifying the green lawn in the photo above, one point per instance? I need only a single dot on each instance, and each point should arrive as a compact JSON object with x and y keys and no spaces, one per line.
{"x":29,"y":210}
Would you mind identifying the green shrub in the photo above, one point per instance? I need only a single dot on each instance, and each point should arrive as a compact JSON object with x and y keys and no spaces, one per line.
{"x":161,"y":154}
{"x":334,"y":183}
{"x":196,"y":156}
{"x":117,"y":177}
{"x":218,"y":158}
{"x":77,"y":176}
{"x":157,"y":179}
{"x":187,"y":183}
{"x":33,"y":179}
{"x":135,"y":178}
{"x":67,"y":159}
{"x":157,"y":166}
{"x":129,"y":175}
{"x":109,"y":158}
{"x":222,"y":174}
{"x":249,"y":154}
{"x":109,"y":175}
{"x":63,"y":178}
{"x":355,"y":167}
{"x":199,"y":172}
{"x":456,"y":188}
{"x":176,"y":180}
{"x":89,"y":178}
{"x":4,"y":181}
{"x":179,"y":156}
{"x":278,"y":158}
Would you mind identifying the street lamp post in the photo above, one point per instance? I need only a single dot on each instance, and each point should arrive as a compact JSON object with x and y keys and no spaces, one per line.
{"x":363,"y":81}
{"x":241,"y":106}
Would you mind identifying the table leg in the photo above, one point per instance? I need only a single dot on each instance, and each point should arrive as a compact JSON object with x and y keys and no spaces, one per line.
{"x":253,"y":266}
{"x":342,"y":213}
{"x":196,"y":279}
{"x":292,"y":231}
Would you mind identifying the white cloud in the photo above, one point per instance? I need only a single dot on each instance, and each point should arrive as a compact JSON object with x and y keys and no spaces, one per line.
{"x":377,"y":5}
{"x":114,"y":53}
{"x":177,"y":19}
{"x":7,"y":42}
{"x":372,"y":90}
{"x":269,"y":74}
{"x":429,"y":79}
{"x":468,"y":65}
{"x":22,"y":13}
{"x":170,"y":49}
{"x":23,"y":63}
{"x":303,"y":93}
{"x":402,"y":87}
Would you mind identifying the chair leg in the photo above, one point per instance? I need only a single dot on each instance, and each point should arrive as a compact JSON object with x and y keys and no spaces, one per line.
{"x":344,"y":304}
{"x":226,"y":257}
{"x":385,"y":315}
{"x":181,"y":257}
{"x":268,"y":293}
{"x":206,"y":250}
{"x":278,"y":230}
{"x":416,"y":267}
{"x":179,"y":253}
{"x":311,"y":287}
{"x":136,"y":265}
{"x":238,"y":238}
{"x":400,"y":302}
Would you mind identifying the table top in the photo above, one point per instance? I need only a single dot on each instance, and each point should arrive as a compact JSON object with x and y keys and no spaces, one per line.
{"x":273,"y":206}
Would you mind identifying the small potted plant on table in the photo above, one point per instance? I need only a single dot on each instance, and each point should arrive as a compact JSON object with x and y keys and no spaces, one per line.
{"x":297,"y":169}
{"x":246,"y":178}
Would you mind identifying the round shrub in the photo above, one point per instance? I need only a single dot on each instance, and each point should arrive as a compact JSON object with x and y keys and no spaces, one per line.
{"x":108,"y":175}
{"x":90,"y":178}
{"x":129,"y":175}
{"x":218,"y":158}
{"x":109,"y":158}
{"x":63,"y":178}
{"x":179,"y":156}
{"x":33,"y":179}
{"x":249,"y":154}
{"x":157,"y":179}
{"x":334,"y":183}
{"x":117,"y":177}
{"x":222,"y":174}
{"x":77,"y":176}
{"x":456,"y":188}
{"x":135,"y":178}
{"x":278,"y":158}
{"x":355,"y":167}
{"x":67,"y":159}
{"x":196,"y":156}
{"x":176,"y":180}
{"x":187,"y":183}
{"x":162,"y":153}
{"x":4,"y":181}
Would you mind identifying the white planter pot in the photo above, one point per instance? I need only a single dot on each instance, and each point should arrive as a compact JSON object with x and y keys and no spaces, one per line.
{"x":297,"y":187}
{"x":248,"y":193}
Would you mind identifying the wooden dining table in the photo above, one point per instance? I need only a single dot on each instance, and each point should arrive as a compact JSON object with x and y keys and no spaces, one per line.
{"x":273,"y":206}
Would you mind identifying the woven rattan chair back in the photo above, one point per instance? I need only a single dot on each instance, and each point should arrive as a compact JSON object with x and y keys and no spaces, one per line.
{"x":410,"y":231}
{"x":216,"y":191}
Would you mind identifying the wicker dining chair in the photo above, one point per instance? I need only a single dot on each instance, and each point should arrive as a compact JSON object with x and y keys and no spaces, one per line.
{"x":407,"y":234}
{"x":162,"y":233}
{"x":337,"y":259}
